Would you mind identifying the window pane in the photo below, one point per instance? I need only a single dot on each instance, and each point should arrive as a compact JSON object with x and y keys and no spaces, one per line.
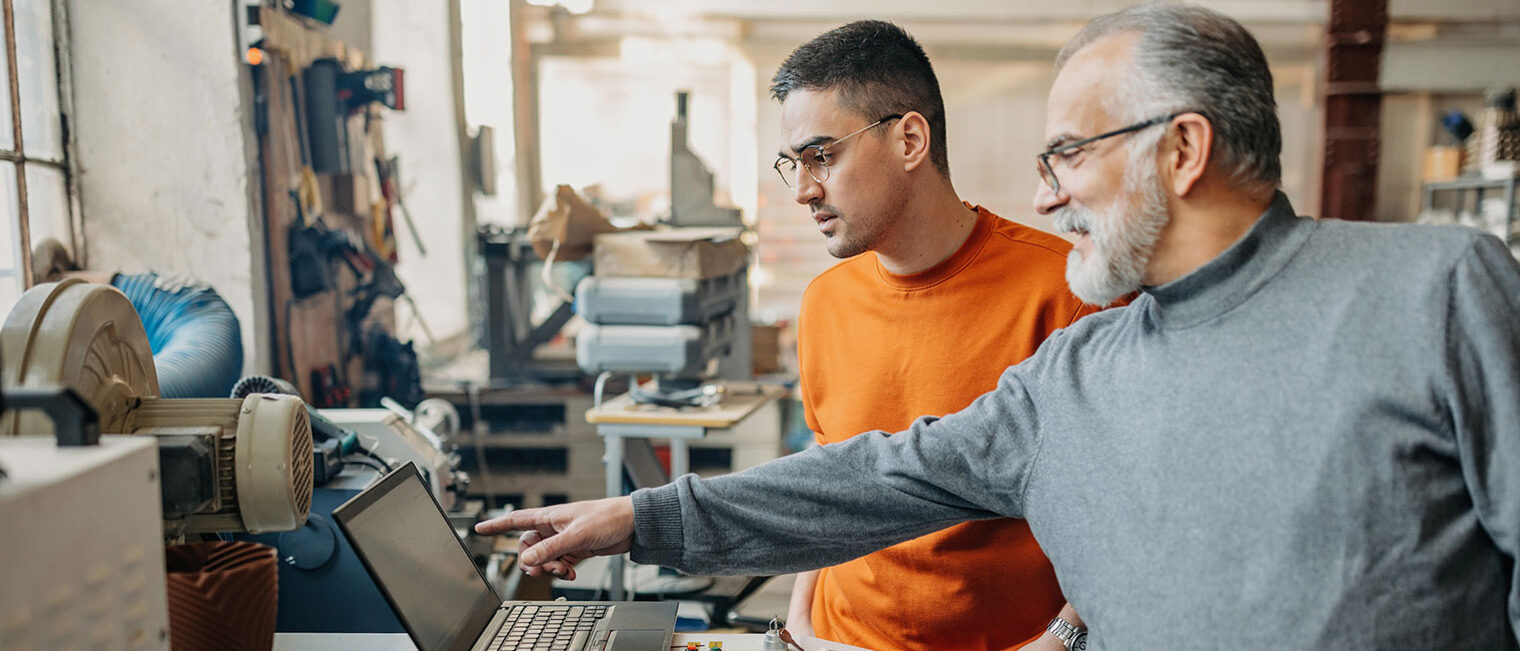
{"x":47,"y":205}
{"x":41,"y":136}
{"x":7,"y":139}
{"x":10,"y":221}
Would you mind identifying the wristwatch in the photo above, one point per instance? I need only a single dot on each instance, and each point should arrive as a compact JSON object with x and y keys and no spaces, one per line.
{"x":1072,"y":637}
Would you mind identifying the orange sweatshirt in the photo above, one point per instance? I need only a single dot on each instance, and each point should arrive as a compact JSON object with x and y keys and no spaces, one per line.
{"x":876,"y":351}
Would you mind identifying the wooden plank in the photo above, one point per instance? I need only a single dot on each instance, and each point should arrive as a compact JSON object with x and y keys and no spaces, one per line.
{"x":297,"y":39}
{"x":281,"y":162}
{"x":304,"y":333}
{"x":313,"y":338}
{"x":739,"y":400}
{"x":310,"y":333}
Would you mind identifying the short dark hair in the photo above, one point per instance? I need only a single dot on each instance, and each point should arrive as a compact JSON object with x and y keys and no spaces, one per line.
{"x":878,"y":69}
{"x":1190,"y":58}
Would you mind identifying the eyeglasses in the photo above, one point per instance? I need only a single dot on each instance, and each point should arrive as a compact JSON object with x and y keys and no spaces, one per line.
{"x":815,"y":158}
{"x":1048,"y":173}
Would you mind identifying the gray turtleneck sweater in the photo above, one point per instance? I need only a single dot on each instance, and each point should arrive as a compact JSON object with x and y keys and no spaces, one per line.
{"x":1312,"y":441}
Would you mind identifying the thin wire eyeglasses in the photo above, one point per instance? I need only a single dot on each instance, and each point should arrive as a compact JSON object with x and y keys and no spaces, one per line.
{"x":1048,"y":173}
{"x":815,"y":158}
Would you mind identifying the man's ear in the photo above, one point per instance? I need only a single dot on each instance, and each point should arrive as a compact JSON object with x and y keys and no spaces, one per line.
{"x":1189,"y":151}
{"x":915,"y":140}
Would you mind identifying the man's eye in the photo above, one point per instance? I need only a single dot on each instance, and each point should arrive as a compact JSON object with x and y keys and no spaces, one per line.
{"x":1067,"y":155}
{"x":817,"y":155}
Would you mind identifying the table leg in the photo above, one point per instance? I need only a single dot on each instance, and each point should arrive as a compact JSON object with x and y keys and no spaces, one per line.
{"x":680,"y":458}
{"x":614,"y":467}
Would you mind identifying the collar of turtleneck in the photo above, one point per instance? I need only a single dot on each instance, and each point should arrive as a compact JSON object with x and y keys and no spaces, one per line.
{"x":1234,"y":275}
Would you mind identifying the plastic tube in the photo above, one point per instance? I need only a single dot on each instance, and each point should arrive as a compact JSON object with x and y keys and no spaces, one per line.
{"x":197,"y":343}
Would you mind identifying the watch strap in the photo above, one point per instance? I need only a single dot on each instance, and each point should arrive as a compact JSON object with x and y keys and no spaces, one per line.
{"x":1067,"y":633}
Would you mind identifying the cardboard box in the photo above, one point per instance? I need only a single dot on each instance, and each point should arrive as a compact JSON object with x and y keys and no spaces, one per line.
{"x":766,"y":343}
{"x":1442,"y":163}
{"x":671,"y":253}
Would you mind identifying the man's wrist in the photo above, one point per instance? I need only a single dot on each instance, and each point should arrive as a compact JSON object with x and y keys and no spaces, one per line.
{"x":658,"y":512}
{"x":1070,"y":635}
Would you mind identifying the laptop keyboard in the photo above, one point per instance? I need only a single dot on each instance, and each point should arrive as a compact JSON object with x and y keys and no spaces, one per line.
{"x":546,"y":627}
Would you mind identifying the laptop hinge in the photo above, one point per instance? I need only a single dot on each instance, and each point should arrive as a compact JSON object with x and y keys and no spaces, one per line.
{"x":483,"y":642}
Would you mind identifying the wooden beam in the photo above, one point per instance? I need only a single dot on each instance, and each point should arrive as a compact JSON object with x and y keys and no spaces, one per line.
{"x":1353,"y":108}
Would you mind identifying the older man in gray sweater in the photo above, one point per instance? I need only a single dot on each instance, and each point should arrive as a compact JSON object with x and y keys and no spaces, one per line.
{"x":1301,"y":434}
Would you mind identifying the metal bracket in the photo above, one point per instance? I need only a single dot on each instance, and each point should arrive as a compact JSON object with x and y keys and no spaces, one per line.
{"x":74,"y":420}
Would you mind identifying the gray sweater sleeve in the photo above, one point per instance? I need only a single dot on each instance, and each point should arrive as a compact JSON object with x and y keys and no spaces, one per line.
{"x":1483,"y":353}
{"x":836,"y":502}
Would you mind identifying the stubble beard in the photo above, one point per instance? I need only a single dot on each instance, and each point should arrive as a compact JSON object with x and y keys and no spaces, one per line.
{"x":842,"y":243}
{"x":843,"y":246}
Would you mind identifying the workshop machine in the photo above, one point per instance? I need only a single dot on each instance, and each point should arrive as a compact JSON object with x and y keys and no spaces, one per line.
{"x":262,"y":467}
{"x":227,"y":464}
{"x":85,"y":519}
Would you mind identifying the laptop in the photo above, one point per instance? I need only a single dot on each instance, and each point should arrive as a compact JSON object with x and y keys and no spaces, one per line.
{"x":404,"y":539}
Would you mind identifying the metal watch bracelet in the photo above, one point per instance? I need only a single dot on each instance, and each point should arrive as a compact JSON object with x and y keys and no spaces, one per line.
{"x":1072,"y":637}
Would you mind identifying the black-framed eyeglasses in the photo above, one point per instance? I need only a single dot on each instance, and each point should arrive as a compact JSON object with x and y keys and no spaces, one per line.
{"x":1048,"y":173}
{"x":815,"y":158}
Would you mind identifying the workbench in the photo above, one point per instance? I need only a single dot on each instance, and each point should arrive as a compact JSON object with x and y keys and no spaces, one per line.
{"x":621,"y":418}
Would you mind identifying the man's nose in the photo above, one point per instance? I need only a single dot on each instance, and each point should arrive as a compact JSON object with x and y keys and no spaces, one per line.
{"x":805,"y":188}
{"x":1047,"y":200}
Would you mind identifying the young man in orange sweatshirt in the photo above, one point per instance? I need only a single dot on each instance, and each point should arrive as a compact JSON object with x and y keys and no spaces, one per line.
{"x":935,"y":298}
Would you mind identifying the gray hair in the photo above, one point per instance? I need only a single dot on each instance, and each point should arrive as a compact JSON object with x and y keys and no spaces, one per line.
{"x":1190,"y":58}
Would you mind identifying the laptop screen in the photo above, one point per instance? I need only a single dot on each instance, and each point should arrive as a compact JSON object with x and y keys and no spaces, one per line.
{"x":419,"y":564}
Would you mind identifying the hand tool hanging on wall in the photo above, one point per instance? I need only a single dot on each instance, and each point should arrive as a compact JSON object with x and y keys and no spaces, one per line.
{"x":389,"y":172}
{"x":326,"y":117}
{"x":390,"y":370}
{"x":384,"y":84}
{"x":309,"y":272}
{"x":333,"y":94}
{"x":308,"y":239}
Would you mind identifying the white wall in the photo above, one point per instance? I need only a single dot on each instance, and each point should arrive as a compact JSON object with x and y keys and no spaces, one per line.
{"x":168,"y":176}
{"x":415,"y":36}
{"x":606,"y":122}
{"x":168,"y":162}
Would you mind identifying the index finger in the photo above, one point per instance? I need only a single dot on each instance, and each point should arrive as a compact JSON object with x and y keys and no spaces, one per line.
{"x":524,"y":520}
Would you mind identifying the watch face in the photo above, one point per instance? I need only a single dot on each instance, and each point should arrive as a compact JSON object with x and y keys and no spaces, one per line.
{"x":1079,"y":643}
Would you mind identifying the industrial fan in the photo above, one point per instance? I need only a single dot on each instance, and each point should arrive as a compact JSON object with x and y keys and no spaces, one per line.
{"x":226,"y":464}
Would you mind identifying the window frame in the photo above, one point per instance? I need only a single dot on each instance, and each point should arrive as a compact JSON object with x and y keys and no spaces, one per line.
{"x":19,"y":222}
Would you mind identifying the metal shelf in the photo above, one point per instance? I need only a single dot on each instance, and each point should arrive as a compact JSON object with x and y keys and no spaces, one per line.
{"x":1477,"y":187}
{"x":1469,"y":183}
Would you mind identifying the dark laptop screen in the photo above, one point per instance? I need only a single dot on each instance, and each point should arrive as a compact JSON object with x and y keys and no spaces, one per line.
{"x":406,"y":542}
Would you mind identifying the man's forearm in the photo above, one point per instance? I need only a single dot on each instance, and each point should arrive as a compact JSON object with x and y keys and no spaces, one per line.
{"x":1047,"y":640}
{"x":1070,"y":615}
{"x":793,"y":514}
{"x":837,"y":502}
{"x":799,"y":613}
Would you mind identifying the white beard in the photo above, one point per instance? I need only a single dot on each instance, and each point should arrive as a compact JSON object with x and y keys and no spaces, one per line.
{"x":1123,"y":237}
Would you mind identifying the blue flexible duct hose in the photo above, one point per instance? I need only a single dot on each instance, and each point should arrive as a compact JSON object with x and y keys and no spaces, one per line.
{"x":197,"y":344}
